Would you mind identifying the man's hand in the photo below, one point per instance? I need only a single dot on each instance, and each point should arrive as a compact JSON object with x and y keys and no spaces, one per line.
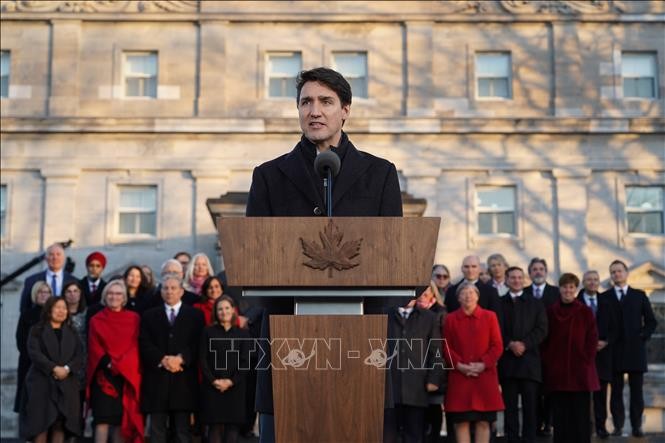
{"x":601,"y":345}
{"x":431,"y":387}
{"x":517,"y":348}
{"x":60,"y":372}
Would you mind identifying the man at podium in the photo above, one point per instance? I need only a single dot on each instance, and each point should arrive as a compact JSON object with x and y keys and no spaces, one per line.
{"x":289,"y":185}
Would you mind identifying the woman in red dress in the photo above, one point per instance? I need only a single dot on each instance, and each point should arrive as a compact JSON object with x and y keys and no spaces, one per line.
{"x":113,"y":371}
{"x":474,"y":345}
{"x":569,"y":363}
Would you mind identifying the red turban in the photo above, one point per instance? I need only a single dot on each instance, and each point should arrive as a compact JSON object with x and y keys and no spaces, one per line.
{"x":96,"y":256}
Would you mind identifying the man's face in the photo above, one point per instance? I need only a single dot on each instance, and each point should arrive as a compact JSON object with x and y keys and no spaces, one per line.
{"x":497,"y":269}
{"x":471,"y":268}
{"x":173,"y":268}
{"x":591,"y":283}
{"x":171,"y":292}
{"x":538,"y":273}
{"x":55,"y":258}
{"x":321,"y":114}
{"x":95,"y":269}
{"x":618,"y":274}
{"x":515,"y":281}
{"x":184,"y":261}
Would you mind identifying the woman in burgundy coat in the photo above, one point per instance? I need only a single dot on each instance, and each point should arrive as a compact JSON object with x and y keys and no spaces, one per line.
{"x":473,"y":339}
{"x":569,"y":363}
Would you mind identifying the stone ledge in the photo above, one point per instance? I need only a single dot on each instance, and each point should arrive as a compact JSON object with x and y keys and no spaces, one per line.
{"x":397,"y":125}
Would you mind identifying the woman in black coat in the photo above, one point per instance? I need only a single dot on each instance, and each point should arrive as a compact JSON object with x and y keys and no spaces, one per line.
{"x":223,"y":387}
{"x":51,"y":402}
{"x":39,"y":293}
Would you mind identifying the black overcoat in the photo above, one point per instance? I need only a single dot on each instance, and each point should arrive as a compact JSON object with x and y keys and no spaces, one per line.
{"x":288,"y":186}
{"x":163,"y":391}
{"x":525,"y":320}
{"x":416,"y":345}
{"x":44,"y":398}
{"x":638,"y":322}
{"x":551,"y":294}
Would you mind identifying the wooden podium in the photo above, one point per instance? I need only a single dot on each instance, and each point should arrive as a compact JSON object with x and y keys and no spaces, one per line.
{"x":328,"y":362}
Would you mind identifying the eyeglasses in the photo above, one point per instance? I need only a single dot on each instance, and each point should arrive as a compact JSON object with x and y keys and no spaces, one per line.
{"x":441,"y":276}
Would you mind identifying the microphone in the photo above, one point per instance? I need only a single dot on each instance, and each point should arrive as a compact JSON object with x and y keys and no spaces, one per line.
{"x":327,"y":160}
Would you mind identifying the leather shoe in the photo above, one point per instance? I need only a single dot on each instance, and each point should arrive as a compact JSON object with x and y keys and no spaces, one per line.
{"x":617,"y":432}
{"x":602,"y":434}
{"x":637,"y":432}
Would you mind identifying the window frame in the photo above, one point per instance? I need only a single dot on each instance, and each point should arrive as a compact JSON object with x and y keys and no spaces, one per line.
{"x":364,"y":53}
{"x":268,"y":76}
{"x":124,"y":55}
{"x":478,"y":77}
{"x":489,"y":210}
{"x":638,"y":210}
{"x":114,"y":185}
{"x":8,"y":54}
{"x":654,"y":57}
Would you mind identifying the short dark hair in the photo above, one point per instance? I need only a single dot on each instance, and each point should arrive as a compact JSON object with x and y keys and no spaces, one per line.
{"x":185,"y":253}
{"x":537,"y":260}
{"x":514,"y":268}
{"x":567,"y":278}
{"x":619,"y":262}
{"x":328,"y":77}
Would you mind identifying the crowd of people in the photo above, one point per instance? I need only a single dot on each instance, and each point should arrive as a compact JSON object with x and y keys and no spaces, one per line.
{"x":135,"y":347}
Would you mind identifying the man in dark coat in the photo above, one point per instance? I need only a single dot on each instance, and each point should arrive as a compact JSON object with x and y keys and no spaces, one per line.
{"x":289,"y":186}
{"x":169,"y":341}
{"x":606,"y":310}
{"x":489,"y":297}
{"x":524,"y":329}
{"x":54,"y":275}
{"x":93,"y":283}
{"x":416,"y":369}
{"x":548,"y":295}
{"x":637,"y":324}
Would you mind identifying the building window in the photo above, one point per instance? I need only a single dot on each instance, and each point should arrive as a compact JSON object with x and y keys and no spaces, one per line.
{"x":4,"y":73}
{"x":3,"y":211}
{"x":495,"y":206}
{"x":140,"y":74}
{"x":137,"y":211}
{"x":638,"y":70}
{"x":644,"y":209}
{"x":353,"y":66}
{"x":283,"y":68}
{"x":493,"y":75}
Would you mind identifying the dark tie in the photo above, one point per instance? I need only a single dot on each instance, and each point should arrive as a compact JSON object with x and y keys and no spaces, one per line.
{"x":54,"y":285}
{"x":172,"y":316}
{"x":538,"y":293}
{"x":93,"y":287}
{"x":594,"y":306}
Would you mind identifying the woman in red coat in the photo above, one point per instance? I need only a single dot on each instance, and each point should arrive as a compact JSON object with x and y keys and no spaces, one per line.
{"x":473,"y":338}
{"x":113,"y":371}
{"x":211,"y":290}
{"x":569,"y":363}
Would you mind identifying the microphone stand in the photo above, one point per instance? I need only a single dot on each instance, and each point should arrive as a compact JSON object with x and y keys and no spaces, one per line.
{"x":327,"y":186}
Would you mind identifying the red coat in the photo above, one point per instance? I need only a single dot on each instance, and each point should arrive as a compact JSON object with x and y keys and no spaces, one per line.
{"x":473,"y":338}
{"x":206,"y":307}
{"x":116,"y":334}
{"x":569,"y":351}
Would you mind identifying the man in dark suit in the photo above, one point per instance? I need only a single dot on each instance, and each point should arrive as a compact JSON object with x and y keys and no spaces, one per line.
{"x":289,"y":186}
{"x":172,"y":266}
{"x":489,"y":297}
{"x":637,"y":324}
{"x":416,"y":370}
{"x":93,"y":283}
{"x":548,"y":295}
{"x":169,"y":341}
{"x":606,"y":311}
{"x":524,"y":329}
{"x":54,"y":275}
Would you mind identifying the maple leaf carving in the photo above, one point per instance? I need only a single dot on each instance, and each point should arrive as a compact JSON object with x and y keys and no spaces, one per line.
{"x":331,"y":253}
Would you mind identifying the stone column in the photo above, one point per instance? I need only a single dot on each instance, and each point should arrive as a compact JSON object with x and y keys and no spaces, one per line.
{"x":571,"y":208}
{"x":208,"y":183}
{"x":212,"y":64}
{"x":59,"y":204}
{"x":419,"y":48}
{"x":64,"y":70}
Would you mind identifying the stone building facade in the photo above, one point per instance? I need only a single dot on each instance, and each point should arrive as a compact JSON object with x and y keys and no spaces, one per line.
{"x":532,"y":128}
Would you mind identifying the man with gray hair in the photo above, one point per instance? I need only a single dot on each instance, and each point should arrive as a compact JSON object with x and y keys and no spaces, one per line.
{"x":55,"y":275}
{"x":172,"y":267}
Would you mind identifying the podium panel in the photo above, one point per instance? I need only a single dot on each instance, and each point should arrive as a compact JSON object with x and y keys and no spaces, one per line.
{"x":327,"y":386}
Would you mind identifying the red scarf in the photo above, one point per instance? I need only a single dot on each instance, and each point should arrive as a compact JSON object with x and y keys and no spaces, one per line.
{"x":116,"y":334}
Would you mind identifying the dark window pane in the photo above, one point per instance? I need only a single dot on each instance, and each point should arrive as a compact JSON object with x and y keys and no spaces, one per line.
{"x":485,"y":223}
{"x":127,"y":224}
{"x":629,"y":87}
{"x":359,"y":87}
{"x":645,"y":222}
{"x":506,"y":223}
{"x":147,"y":223}
{"x":483,"y":87}
{"x":4,"y":86}
{"x":645,"y":87}
{"x":500,"y":87}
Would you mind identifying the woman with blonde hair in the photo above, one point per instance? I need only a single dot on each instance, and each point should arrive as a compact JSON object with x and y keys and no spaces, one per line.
{"x":198,"y":270}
